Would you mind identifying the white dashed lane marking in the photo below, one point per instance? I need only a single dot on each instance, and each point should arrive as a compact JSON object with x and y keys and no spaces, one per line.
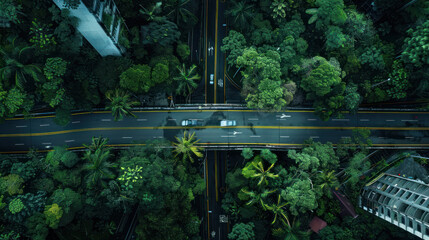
{"x":69,"y":140}
{"x":106,"y":120}
{"x":76,"y":122}
{"x":19,"y":144}
{"x":364,"y":120}
{"x":23,"y":126}
{"x":44,"y":125}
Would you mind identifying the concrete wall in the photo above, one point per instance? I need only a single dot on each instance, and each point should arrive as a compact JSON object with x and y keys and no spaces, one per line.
{"x":91,"y":29}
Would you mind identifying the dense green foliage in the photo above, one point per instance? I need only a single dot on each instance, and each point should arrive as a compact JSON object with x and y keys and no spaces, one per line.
{"x":282,"y":191}
{"x":85,"y":192}
{"x":324,"y":46}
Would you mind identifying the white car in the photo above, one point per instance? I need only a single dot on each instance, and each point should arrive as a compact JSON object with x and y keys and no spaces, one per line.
{"x":192,"y":122}
{"x":227,"y":123}
{"x":211,"y":78}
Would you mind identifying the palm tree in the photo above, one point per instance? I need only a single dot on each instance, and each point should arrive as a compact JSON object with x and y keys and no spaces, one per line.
{"x":240,"y":12}
{"x":97,"y":143}
{"x":151,"y":14}
{"x":185,"y":146}
{"x":98,"y":167}
{"x":256,"y":170}
{"x":120,"y":104}
{"x":291,"y":232}
{"x":187,"y":81}
{"x":256,"y":197}
{"x":277,"y":209}
{"x":327,"y":180}
{"x":15,"y":69}
{"x":181,"y":14}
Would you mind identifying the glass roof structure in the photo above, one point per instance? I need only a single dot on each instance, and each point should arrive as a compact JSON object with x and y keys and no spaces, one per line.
{"x":399,"y":200}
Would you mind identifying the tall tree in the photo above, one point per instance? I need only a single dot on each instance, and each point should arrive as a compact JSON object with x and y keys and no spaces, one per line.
{"x":98,"y":168}
{"x":234,"y":44}
{"x":398,"y":83}
{"x":257,"y":196}
{"x":240,"y":12}
{"x":278,"y":210}
{"x":256,"y":169}
{"x":186,"y":146}
{"x":187,"y":81}
{"x":97,"y":143}
{"x":120,"y":104}
{"x":291,"y":232}
{"x":17,"y":70}
{"x":417,"y":45}
{"x":137,"y":79}
{"x":180,"y":13}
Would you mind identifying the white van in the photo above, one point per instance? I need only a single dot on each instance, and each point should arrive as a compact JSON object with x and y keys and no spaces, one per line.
{"x":211,"y":78}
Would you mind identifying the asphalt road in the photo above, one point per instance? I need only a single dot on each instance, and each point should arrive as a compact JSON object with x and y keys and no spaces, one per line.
{"x":253,"y":128}
{"x":287,"y":129}
{"x":215,"y":164}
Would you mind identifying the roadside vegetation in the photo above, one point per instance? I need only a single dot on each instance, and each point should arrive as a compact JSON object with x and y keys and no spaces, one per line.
{"x":327,"y":54}
{"x":83,"y":195}
{"x":46,"y":65}
{"x":275,"y":195}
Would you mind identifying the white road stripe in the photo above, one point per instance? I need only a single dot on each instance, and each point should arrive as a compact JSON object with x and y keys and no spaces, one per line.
{"x":69,"y":140}
{"x":21,"y":126}
{"x":409,"y":120}
{"x":284,"y":136}
{"x":159,"y":137}
{"x":312,"y":119}
{"x":44,"y":125}
{"x":171,"y":119}
{"x":253,"y":119}
{"x":340,"y":119}
{"x":106,"y":120}
{"x":19,"y":144}
{"x":314,"y":136}
{"x":141,"y":119}
{"x":228,"y":136}
{"x":281,"y":119}
{"x":254,"y":136}
{"x":345,"y":137}
{"x":390,"y":120}
{"x":127,"y":137}
{"x":364,"y":120}
{"x":76,"y":122}
{"x":46,"y":143}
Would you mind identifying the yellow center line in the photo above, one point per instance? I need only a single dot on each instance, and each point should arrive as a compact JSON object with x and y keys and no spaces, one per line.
{"x":208,"y":127}
{"x":224,"y":82}
{"x":206,"y":51}
{"x":217,"y":198}
{"x":215,"y":58}
{"x":225,"y":110}
{"x":208,"y":206}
